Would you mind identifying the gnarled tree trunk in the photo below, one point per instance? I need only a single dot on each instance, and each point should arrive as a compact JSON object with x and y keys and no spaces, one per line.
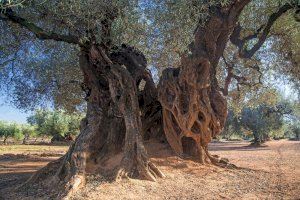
{"x":150,"y":107}
{"x":194,"y":109}
{"x":110,"y":142}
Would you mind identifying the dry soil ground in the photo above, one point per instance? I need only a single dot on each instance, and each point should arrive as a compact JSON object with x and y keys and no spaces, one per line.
{"x":271,"y":172}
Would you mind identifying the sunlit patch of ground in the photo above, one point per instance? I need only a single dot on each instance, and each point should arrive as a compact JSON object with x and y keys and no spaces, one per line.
{"x":32,"y":149}
{"x":271,"y":172}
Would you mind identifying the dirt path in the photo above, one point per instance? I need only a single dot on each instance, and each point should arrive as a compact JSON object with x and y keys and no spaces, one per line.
{"x":278,"y":164}
{"x":15,"y":169}
{"x":271,"y":172}
{"x":279,"y":160}
{"x":286,"y":170}
{"x":19,"y":162}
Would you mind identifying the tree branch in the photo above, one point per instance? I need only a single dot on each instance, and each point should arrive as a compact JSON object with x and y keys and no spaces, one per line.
{"x":261,"y":33}
{"x":3,"y":64}
{"x":228,"y":77}
{"x":38,"y":31}
{"x":231,"y":75}
{"x":241,"y":80}
{"x":239,"y":5}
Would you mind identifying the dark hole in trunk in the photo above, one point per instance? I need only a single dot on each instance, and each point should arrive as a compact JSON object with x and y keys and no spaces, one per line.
{"x":189,"y":147}
{"x":195,"y":128}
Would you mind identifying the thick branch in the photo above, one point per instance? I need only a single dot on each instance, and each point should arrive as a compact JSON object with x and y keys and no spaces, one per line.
{"x":241,"y":80}
{"x":261,"y":33}
{"x":239,"y":5}
{"x":38,"y":31}
{"x":228,"y":77}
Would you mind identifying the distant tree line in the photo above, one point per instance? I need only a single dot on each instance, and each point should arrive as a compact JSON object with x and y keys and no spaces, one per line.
{"x":42,"y":123}
{"x":263,"y":122}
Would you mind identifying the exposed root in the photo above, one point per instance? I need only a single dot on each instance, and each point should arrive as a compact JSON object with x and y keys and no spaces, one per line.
{"x":156,"y":170}
{"x":121,"y":174}
{"x":145,"y":170}
{"x":151,"y":172}
{"x":221,"y":162}
{"x":72,"y":186}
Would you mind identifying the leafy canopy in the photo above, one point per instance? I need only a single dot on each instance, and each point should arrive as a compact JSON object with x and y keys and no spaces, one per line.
{"x":55,"y":122}
{"x":35,"y":72}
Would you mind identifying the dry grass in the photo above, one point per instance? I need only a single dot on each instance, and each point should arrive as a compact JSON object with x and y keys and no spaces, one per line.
{"x":31,"y":149}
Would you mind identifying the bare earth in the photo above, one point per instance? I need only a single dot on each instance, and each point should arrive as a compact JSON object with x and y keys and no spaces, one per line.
{"x":271,"y":172}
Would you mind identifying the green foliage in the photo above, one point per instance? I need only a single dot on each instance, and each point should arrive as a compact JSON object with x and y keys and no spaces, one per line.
{"x":12,"y":130}
{"x":293,"y":127}
{"x":277,"y":118}
{"x":36,"y":72}
{"x":260,"y":122}
{"x":10,"y":3}
{"x":251,"y":97}
{"x":232,"y":127}
{"x":28,"y":131}
{"x":296,"y":130}
{"x":55,"y":122}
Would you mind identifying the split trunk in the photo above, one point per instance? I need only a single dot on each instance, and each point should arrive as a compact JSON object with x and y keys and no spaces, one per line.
{"x":110,"y":142}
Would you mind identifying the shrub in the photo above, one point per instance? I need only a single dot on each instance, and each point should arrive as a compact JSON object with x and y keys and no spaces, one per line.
{"x":9,"y":130}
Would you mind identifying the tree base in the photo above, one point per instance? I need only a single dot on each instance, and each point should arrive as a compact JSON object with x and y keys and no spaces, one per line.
{"x":148,"y":171}
{"x":121,"y":166}
{"x":258,"y":144}
{"x":202,"y":156}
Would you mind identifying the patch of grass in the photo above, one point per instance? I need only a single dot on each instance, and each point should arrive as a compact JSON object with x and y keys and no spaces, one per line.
{"x":31,"y":149}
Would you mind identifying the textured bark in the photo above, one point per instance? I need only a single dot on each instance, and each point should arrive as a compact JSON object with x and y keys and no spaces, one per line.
{"x":150,"y":107}
{"x":194,"y":110}
{"x":110,"y":142}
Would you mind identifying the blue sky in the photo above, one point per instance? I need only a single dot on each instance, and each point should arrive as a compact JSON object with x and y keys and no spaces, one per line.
{"x":9,"y":113}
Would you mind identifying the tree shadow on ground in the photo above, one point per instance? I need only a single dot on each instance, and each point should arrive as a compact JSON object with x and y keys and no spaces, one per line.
{"x":232,"y":146}
{"x":163,"y":156}
{"x":17,"y":168}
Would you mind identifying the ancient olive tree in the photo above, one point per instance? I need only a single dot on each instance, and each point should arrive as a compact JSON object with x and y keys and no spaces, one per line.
{"x":9,"y":130}
{"x":119,"y":111}
{"x":28,"y":132}
{"x":112,"y":127}
{"x":193,"y":100}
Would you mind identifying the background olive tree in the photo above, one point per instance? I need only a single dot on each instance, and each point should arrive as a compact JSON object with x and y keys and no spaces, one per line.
{"x":9,"y":130}
{"x":56,"y":124}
